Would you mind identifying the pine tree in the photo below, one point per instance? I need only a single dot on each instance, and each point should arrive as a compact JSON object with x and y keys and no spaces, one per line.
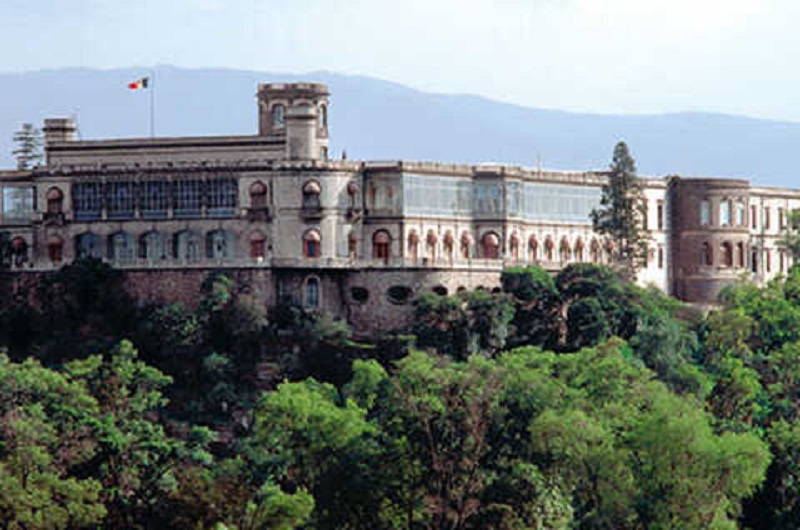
{"x":29,"y":146}
{"x":622,"y":213}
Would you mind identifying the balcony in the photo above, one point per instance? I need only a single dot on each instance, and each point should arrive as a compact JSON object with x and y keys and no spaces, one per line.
{"x":259,"y":214}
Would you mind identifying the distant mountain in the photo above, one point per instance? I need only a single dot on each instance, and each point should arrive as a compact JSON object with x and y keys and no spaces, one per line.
{"x":374,"y":119}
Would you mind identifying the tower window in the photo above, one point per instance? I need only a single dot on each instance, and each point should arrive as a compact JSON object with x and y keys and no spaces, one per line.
{"x":381,"y":245}
{"x":312,"y":293}
{"x":311,"y":244}
{"x":55,"y":200}
{"x":278,"y":116}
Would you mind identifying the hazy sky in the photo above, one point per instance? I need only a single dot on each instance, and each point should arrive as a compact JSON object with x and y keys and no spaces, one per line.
{"x":737,"y":56}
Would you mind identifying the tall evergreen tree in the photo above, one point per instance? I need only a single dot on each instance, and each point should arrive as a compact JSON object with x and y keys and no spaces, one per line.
{"x":622,"y":214}
{"x":29,"y":146}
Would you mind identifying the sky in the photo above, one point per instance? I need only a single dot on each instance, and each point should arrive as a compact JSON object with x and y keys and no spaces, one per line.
{"x":605,"y":56}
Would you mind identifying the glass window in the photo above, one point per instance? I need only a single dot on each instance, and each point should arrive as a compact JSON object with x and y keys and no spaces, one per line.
{"x":55,"y":250}
{"x":187,"y":245}
{"x":753,"y":217}
{"x":312,"y":292}
{"x":154,"y":200}
{"x":311,"y":244}
{"x":222,"y":197}
{"x":219,"y":244}
{"x":740,"y":214}
{"x":725,"y":213}
{"x":766,"y":219}
{"x":121,"y":247}
{"x":18,"y":203}
{"x":55,"y":201}
{"x":120,"y":200}
{"x":188,"y":198}
{"x":278,"y":116}
{"x":660,"y":214}
{"x":258,"y":195}
{"x":153,"y":246}
{"x":705,"y":213}
{"x":88,"y":246}
{"x":87,"y":200}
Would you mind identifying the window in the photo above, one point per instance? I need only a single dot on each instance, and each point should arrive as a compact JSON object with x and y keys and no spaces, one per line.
{"x":533,"y":248}
{"x":121,"y":247}
{"x":311,"y":244}
{"x":660,"y":257}
{"x":359,"y":295}
{"x":352,"y":245}
{"x":768,"y":260}
{"x":766,"y":218}
{"x":18,"y":203}
{"x":726,"y":254}
{"x":55,"y":201}
{"x":187,"y":245}
{"x":87,"y":200}
{"x":258,"y":246}
{"x":645,"y":215}
{"x":725,"y":213}
{"x":548,"y":249}
{"x":740,"y":255}
{"x":781,"y":221}
{"x":491,"y":246}
{"x":466,"y":243}
{"x":88,"y":246}
{"x":154,"y":199}
{"x":413,"y":245}
{"x":399,"y":294}
{"x":381,"y":245}
{"x":705,"y":213}
{"x":564,"y":250}
{"x":19,"y":251}
{"x":754,"y":261}
{"x":323,"y":118}
{"x":740,"y":221}
{"x":258,"y":195}
{"x":449,"y":241}
{"x":594,"y":250}
{"x":153,"y":246}
{"x":188,"y":198}
{"x":312,"y":293}
{"x":514,"y":246}
{"x":579,"y":250}
{"x":278,"y":116}
{"x":219,"y":244}
{"x":121,"y":200}
{"x":753,"y":217}
{"x":311,"y":193}
{"x":431,"y":241}
{"x":781,"y":261}
{"x":55,"y":250}
{"x":706,"y":258}
{"x":660,"y":215}
{"x":223,"y":194}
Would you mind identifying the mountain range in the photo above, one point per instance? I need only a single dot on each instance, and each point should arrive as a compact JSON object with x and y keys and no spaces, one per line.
{"x":381,"y":120}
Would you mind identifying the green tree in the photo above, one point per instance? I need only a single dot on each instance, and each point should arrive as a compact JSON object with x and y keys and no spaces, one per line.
{"x":622,"y":213}
{"x":791,"y":234}
{"x":29,"y":146}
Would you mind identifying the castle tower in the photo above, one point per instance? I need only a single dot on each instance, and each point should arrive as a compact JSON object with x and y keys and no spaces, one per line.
{"x":298,"y":112}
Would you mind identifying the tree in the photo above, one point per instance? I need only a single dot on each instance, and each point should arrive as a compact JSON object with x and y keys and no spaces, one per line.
{"x":791,"y":235}
{"x":29,"y":146}
{"x":622,"y":214}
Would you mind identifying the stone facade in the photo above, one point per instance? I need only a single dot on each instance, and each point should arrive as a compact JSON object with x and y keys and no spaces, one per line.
{"x":357,"y":238}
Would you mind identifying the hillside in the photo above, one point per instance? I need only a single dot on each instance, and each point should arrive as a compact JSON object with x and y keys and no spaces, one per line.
{"x":375,"y":119}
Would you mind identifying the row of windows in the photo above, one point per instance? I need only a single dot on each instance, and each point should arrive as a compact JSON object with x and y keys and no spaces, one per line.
{"x":152,"y":199}
{"x":729,"y":255}
{"x":732,"y":213}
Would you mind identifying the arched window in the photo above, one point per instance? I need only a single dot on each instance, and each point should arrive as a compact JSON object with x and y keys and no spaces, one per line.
{"x":219,"y":244}
{"x":55,"y":201}
{"x":754,"y":261}
{"x":88,"y":246}
{"x":312,"y":293}
{"x":491,"y":245}
{"x":311,"y":244}
{"x":413,"y":245}
{"x":449,"y":242}
{"x":533,"y":248}
{"x":121,"y":247}
{"x":513,"y":244}
{"x":579,"y":249}
{"x":726,"y":254}
{"x":187,"y":245}
{"x":258,"y":246}
{"x":549,"y":246}
{"x":55,"y":250}
{"x":594,"y":250}
{"x":740,"y":255}
{"x":381,"y":245}
{"x":258,"y":195}
{"x":19,"y":251}
{"x":278,"y":116}
{"x":705,"y":255}
{"x":466,"y":244}
{"x":352,"y":245}
{"x":153,"y":246}
{"x":431,"y":240}
{"x":311,"y":192}
{"x":564,"y":252}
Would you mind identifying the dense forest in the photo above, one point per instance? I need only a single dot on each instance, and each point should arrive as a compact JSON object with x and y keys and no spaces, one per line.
{"x":574,"y":401}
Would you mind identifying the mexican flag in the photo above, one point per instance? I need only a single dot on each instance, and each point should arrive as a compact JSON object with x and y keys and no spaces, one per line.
{"x":139,"y":84}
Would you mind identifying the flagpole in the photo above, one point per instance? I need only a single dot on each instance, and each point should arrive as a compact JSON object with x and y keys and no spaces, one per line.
{"x":152,"y":104}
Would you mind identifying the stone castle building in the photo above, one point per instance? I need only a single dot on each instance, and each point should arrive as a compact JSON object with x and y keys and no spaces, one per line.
{"x":357,"y":238}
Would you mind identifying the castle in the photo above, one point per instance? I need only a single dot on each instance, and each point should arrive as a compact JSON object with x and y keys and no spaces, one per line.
{"x":357,"y":238}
